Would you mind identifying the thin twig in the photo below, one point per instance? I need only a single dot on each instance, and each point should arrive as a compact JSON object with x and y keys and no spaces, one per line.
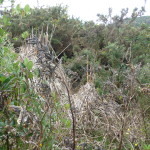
{"x":73,"y":117}
{"x":64,"y":49}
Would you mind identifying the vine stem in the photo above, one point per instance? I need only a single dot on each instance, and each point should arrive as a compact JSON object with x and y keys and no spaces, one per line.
{"x":73,"y":117}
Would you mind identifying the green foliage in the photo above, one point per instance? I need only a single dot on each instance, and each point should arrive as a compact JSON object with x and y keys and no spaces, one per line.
{"x":15,"y":78}
{"x":67,"y":30}
{"x":22,"y":12}
{"x":146,"y":147}
{"x":144,"y":74}
{"x":25,"y":35}
{"x":6,"y":21}
{"x":142,"y":20}
{"x":115,"y":52}
{"x":14,"y":88}
{"x":1,"y":1}
{"x":28,"y":64}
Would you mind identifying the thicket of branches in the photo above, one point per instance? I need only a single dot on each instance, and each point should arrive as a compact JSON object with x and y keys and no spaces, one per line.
{"x":114,"y":55}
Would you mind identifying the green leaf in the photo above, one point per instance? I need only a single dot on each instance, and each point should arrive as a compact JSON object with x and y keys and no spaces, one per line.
{"x":27,"y":9}
{"x":146,"y":147}
{"x":15,"y":38}
{"x":6,"y":49}
{"x":1,"y":40}
{"x":66,"y":122}
{"x":25,"y":34}
{"x":67,"y":106}
{"x":6,"y":20}
{"x":30,"y":75}
{"x":18,"y":8}
{"x":16,"y":66}
{"x":2,"y":32}
{"x":28,"y":64}
{"x":8,"y":82}
{"x":2,"y":77}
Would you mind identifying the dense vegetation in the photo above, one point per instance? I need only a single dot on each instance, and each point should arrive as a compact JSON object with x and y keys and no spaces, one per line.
{"x":143,"y":19}
{"x":114,"y":55}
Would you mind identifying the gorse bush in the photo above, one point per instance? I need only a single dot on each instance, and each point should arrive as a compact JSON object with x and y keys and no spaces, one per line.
{"x":114,"y":55}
